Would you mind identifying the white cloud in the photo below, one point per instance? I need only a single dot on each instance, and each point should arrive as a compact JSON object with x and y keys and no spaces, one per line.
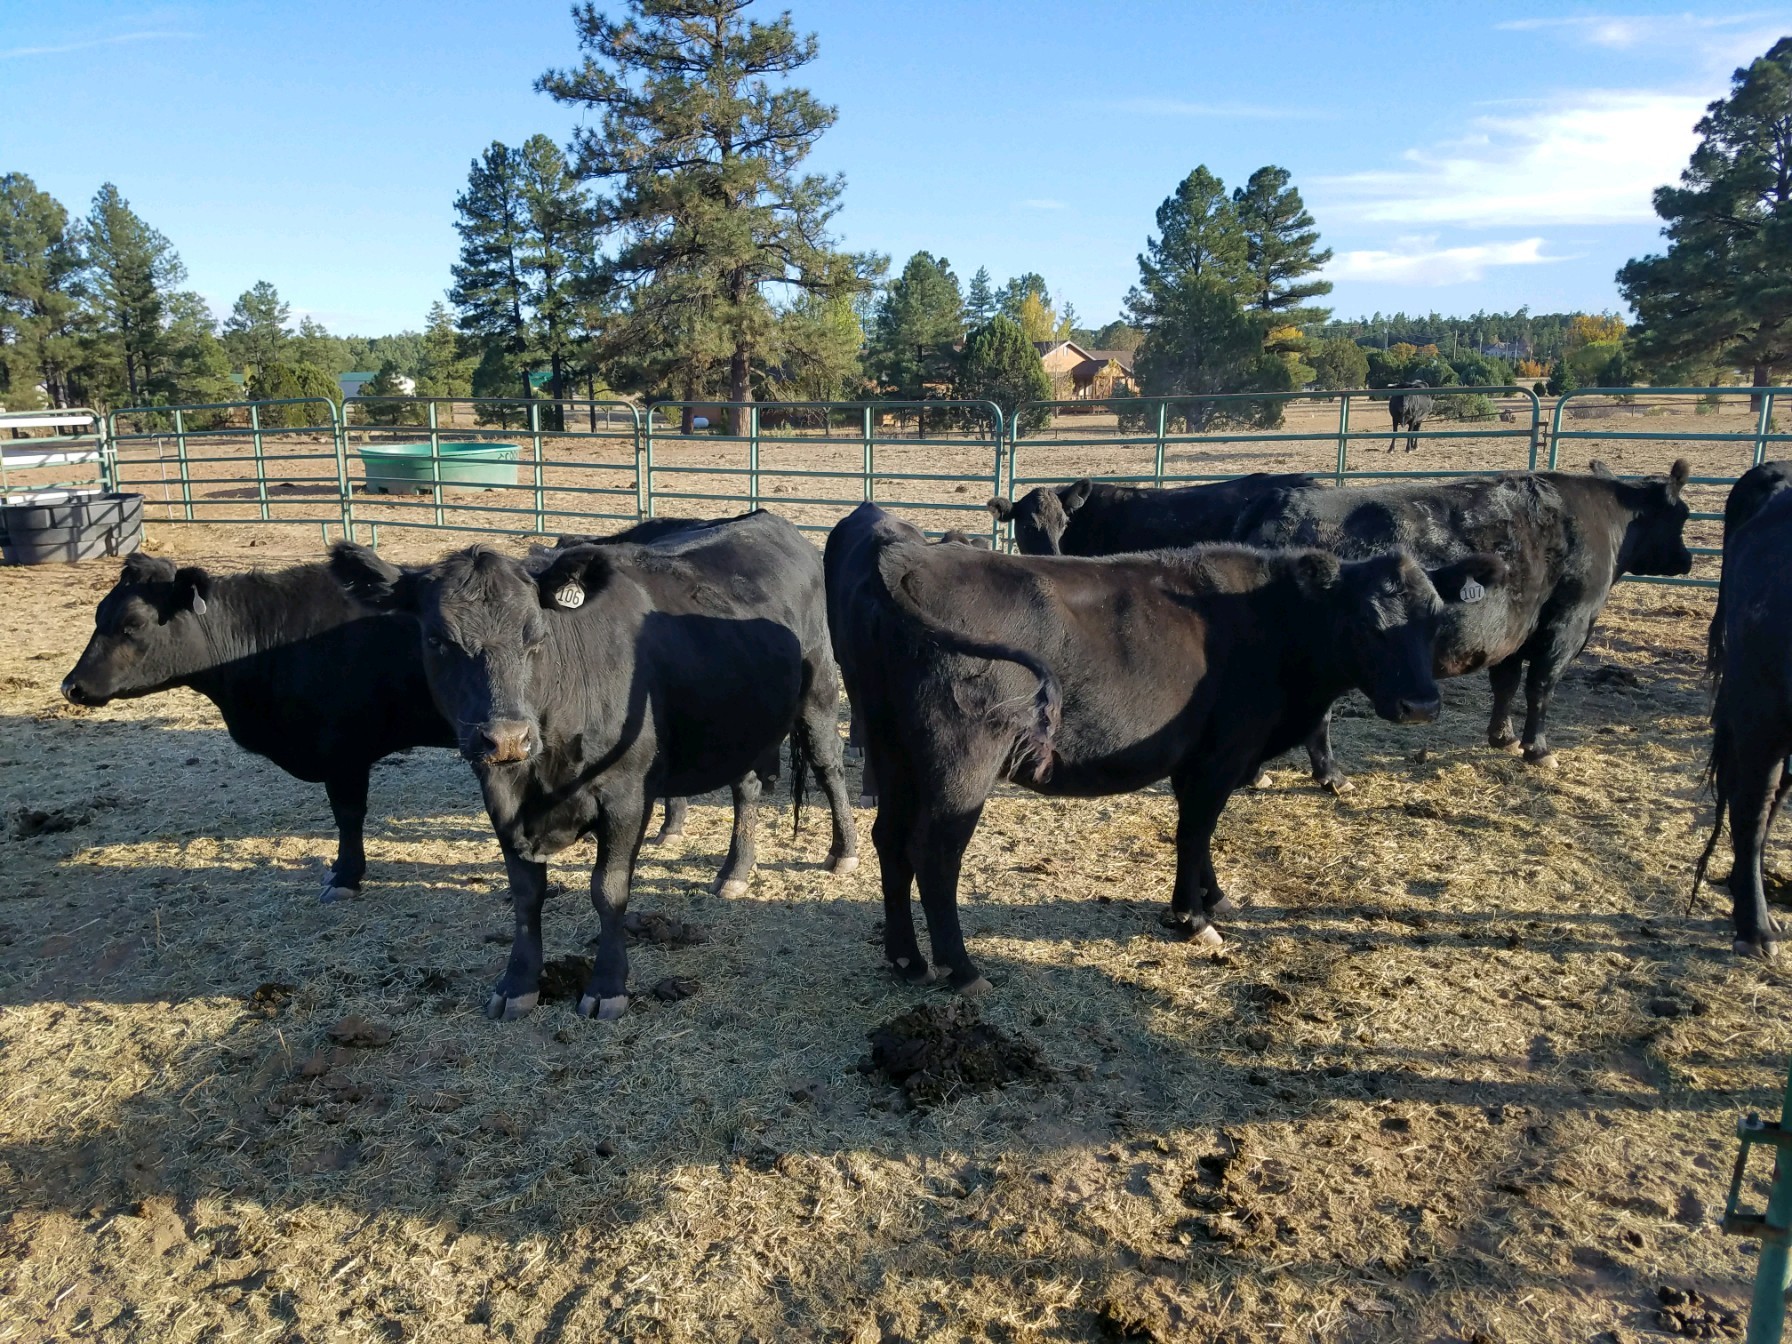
{"x":1715,"y":43}
{"x":1043,"y":204}
{"x":86,"y":44}
{"x":1419,"y":261}
{"x":1595,"y":158}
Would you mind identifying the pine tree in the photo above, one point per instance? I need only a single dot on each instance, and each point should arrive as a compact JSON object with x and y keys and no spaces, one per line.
{"x":1198,"y":234}
{"x":819,"y":340}
{"x":313,"y":344}
{"x":445,"y":369}
{"x":1281,"y":246}
{"x":197,"y":367}
{"x":1723,"y":289}
{"x":980,"y":299}
{"x":132,"y":268}
{"x":1200,"y":341}
{"x":41,"y":265}
{"x":919,"y":318}
{"x":255,"y":332}
{"x":490,"y":289}
{"x":701,"y":155}
{"x":1001,"y":365}
{"x":556,"y":241}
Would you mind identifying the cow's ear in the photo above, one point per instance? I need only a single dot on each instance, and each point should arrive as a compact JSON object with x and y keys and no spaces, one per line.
{"x":1599,"y":469}
{"x":140,"y":567}
{"x":191,"y":584}
{"x":567,"y":540}
{"x":1076,"y":494}
{"x":1678,"y":475}
{"x":1002,"y":509}
{"x":1316,"y":571}
{"x":576,"y":575}
{"x":1468,"y":579}
{"x":364,"y":576}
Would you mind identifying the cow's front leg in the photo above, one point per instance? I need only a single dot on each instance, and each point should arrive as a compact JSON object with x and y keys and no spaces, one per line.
{"x":677,"y":809}
{"x":1196,"y":896}
{"x":1319,"y":755}
{"x":1504,"y":677}
{"x":1539,"y":686}
{"x":743,"y":851}
{"x":348,"y":805}
{"x":519,"y":989}
{"x":620,"y":826}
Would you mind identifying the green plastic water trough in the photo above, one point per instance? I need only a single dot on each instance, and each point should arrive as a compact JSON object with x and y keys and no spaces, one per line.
{"x":406,"y":467}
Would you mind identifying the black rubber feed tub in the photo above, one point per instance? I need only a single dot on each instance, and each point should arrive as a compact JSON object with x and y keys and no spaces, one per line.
{"x":72,"y":529}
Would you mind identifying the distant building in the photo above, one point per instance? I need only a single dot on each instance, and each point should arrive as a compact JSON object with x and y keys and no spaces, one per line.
{"x":352,"y":383}
{"x":1078,"y":374}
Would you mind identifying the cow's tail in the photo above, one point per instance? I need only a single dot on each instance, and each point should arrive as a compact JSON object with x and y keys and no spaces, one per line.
{"x":1035,"y":753}
{"x":1714,"y":780}
{"x":800,"y":765}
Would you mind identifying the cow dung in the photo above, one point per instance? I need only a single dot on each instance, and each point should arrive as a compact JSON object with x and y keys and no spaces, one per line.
{"x":565,"y":978}
{"x":939,"y":1051}
{"x":662,"y":930}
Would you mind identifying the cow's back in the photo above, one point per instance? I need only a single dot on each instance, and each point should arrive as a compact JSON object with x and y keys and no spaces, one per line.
{"x":1118,"y":520}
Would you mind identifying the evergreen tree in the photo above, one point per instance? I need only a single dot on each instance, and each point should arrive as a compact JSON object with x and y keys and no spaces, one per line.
{"x":557,"y":239}
{"x":1198,"y":234}
{"x":444,"y":370}
{"x":1118,"y":335}
{"x":287,"y":382}
{"x":1200,"y":340}
{"x":132,"y":268}
{"x":820,"y":340}
{"x":255,"y":332}
{"x":1281,"y":246}
{"x":313,"y":344}
{"x":980,"y":299}
{"x":1723,"y":288}
{"x":702,"y":157}
{"x":388,"y":382}
{"x":197,"y":368}
{"x":1340,"y":363}
{"x":41,"y":265}
{"x":1001,"y":365}
{"x":490,"y":289}
{"x":919,"y":318}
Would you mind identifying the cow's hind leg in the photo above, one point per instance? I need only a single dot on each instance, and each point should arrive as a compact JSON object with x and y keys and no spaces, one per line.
{"x":1504,"y":676}
{"x":348,"y":804}
{"x":742,"y":851}
{"x":937,"y":848}
{"x":817,"y":731}
{"x":1196,"y":895}
{"x":519,"y":988}
{"x":677,"y":809}
{"x":1319,"y":755}
{"x":621,"y":824}
{"x":1752,"y":796}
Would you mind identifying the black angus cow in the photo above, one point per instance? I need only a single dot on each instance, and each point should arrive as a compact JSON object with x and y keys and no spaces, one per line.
{"x":1086,"y":518}
{"x":610,"y":677}
{"x":1565,"y":539}
{"x":1407,"y":409}
{"x":301,"y":673}
{"x":1087,"y":677}
{"x":1751,"y":714}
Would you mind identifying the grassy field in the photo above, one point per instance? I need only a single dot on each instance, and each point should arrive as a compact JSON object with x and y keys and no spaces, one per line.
{"x":1463,"y":1072}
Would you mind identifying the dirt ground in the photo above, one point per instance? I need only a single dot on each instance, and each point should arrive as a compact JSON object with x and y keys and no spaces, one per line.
{"x":1464,"y":1071}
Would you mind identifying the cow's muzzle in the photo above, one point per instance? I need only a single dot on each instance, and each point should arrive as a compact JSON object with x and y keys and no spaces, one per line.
{"x":1416,"y":711}
{"x":501,"y":742}
{"x":77,"y":694}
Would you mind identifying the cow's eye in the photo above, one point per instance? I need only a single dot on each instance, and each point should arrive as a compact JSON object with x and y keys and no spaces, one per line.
{"x":436,"y":643}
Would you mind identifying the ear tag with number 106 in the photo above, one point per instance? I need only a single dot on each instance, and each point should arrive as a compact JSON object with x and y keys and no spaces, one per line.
{"x":1471,"y":591}
{"x":570,"y":596}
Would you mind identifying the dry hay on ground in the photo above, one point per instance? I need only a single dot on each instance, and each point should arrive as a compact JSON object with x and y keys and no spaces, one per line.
{"x":1462,"y":1073}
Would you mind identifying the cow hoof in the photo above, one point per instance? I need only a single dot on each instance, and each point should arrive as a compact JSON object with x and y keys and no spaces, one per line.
{"x":1512,"y":746}
{"x":664,"y":836}
{"x":1544,"y":761}
{"x":333,"y":893}
{"x":926,"y":975}
{"x":976,"y":989}
{"x":1173,"y":918}
{"x":734,"y":886}
{"x":1226,"y":905}
{"x":1763,"y":951}
{"x":502,"y":1009}
{"x":842,"y":863}
{"x":1336,"y":784}
{"x":604,"y":1010}
{"x":1208,"y":936}
{"x":1263,"y":780}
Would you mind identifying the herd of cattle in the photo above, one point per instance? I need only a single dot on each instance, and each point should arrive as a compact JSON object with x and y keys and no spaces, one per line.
{"x":1140,"y":635}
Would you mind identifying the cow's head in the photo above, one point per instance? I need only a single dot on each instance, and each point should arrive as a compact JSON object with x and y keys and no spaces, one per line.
{"x":483,"y":631}
{"x":1385,"y":612}
{"x":1655,"y":541}
{"x":147,"y":633}
{"x":1041,"y":515}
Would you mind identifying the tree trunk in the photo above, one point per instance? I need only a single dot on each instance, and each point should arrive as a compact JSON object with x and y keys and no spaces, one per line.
{"x":1763,"y":377}
{"x":591,"y":400}
{"x":740,"y":389}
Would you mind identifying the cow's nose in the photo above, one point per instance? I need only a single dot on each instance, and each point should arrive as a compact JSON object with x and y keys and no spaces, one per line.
{"x":72,"y":692}
{"x":1418,"y":711}
{"x":503,"y":741}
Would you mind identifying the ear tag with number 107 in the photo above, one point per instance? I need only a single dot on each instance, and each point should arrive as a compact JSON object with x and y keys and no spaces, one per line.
{"x":1471,"y":591}
{"x":570,"y":596}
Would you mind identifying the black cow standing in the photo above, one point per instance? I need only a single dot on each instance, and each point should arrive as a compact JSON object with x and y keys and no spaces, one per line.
{"x":1751,"y":670}
{"x":1408,"y":409}
{"x":1087,"y":518}
{"x":615,"y":675}
{"x":1565,"y":539}
{"x":301,"y":673}
{"x":1087,"y":677}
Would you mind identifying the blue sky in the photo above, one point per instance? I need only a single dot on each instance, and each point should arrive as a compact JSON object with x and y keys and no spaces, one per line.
{"x":1457,"y":156}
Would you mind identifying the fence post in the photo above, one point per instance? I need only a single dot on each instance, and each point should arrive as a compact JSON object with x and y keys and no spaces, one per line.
{"x":1555,"y":429}
{"x":752,"y":457}
{"x":1536,"y":429}
{"x":995,"y":527}
{"x":180,"y":451}
{"x":866,"y":480}
{"x":1163,"y":420}
{"x":261,"y":466}
{"x":1763,"y":425}
{"x":647,"y":472}
{"x":435,"y":465}
{"x":541,"y":514}
{"x":1343,"y":439}
{"x":345,"y":490}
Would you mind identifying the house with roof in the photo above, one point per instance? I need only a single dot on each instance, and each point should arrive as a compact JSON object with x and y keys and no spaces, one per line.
{"x":1080,"y":374}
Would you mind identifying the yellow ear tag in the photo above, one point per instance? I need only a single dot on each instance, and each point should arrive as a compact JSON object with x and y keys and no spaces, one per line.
{"x":570,"y":596}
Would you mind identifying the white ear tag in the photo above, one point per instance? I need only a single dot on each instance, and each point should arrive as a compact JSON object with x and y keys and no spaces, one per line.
{"x":198,"y":605}
{"x":1472,"y":591}
{"x":570,"y":596}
